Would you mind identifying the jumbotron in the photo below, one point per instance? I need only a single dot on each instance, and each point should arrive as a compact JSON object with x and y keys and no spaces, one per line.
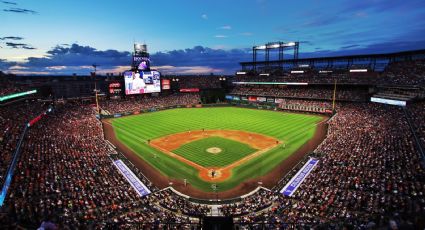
{"x":328,"y":142}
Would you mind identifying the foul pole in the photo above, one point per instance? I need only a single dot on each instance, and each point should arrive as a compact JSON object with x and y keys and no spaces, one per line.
{"x":97,"y":100}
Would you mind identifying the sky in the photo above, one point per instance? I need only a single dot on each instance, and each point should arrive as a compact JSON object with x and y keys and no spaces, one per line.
{"x":50,"y":37}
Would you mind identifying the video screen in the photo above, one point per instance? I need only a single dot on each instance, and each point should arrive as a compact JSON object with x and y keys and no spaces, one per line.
{"x":142,"y":82}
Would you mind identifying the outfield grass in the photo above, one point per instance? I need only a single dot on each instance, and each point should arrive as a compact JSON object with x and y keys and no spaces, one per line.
{"x":291,"y":128}
{"x":231,"y":151}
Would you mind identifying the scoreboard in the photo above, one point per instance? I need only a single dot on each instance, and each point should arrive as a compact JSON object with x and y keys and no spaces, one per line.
{"x":115,"y":90}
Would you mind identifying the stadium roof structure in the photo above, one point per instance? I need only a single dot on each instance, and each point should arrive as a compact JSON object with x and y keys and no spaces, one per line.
{"x":369,"y":60}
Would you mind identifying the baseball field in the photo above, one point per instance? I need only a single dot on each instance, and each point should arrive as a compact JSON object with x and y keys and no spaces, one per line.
{"x":222,"y":145}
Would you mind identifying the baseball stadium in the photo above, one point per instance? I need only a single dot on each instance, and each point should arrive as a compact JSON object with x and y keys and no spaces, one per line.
{"x":287,"y":134}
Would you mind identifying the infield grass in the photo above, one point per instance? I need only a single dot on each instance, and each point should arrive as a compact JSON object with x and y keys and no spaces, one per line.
{"x":293,"y":129}
{"x":231,"y":151}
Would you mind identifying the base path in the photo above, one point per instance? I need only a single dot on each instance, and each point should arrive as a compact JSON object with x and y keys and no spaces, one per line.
{"x":167,"y":144}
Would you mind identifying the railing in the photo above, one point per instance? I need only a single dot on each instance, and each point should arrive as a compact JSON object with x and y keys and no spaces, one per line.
{"x":264,"y":225}
{"x":153,"y":109}
{"x":154,"y":225}
{"x":417,"y":141}
{"x":237,"y":225}
{"x":11,"y":168}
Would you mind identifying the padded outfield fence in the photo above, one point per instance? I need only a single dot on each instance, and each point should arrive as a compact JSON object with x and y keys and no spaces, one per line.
{"x":242,"y":104}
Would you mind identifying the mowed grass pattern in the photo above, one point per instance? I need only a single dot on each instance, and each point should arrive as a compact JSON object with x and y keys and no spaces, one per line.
{"x":291,"y":128}
{"x":231,"y":151}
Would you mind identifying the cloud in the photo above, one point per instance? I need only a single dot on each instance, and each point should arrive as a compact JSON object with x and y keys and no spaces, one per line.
{"x":5,"y":64}
{"x":226,"y":27}
{"x":11,"y":38}
{"x":24,"y":72}
{"x":220,"y":36}
{"x":190,"y":70}
{"x":14,"y":45}
{"x":77,"y":55}
{"x":9,"y":3}
{"x":61,"y":67}
{"x":204,"y":16}
{"x":20,"y":10}
{"x":17,"y":67}
{"x":349,"y":46}
{"x":75,"y":58}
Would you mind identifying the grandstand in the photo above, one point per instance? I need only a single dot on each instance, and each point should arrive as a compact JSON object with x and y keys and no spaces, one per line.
{"x":59,"y":165}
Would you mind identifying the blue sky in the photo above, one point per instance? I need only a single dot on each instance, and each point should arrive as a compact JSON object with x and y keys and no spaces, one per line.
{"x":196,"y":36}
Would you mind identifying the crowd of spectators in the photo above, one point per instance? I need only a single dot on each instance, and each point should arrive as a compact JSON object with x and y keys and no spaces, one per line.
{"x":314,"y":77}
{"x":11,"y":88}
{"x":12,"y":123}
{"x":406,"y":73}
{"x":147,"y":102}
{"x":417,"y":113}
{"x":200,"y":82}
{"x":309,"y":103}
{"x":171,"y":201}
{"x":303,"y":92}
{"x":397,"y":73}
{"x":258,"y":201}
{"x":369,"y":175}
{"x":65,"y":175}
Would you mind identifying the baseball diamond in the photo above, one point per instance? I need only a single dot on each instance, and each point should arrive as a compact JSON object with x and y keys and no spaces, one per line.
{"x":250,"y":143}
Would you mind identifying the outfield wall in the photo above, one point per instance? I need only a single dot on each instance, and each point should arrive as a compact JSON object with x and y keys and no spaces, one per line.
{"x":256,"y":105}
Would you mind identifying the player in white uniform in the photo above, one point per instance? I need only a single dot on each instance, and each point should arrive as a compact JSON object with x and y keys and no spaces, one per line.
{"x":138,"y":83}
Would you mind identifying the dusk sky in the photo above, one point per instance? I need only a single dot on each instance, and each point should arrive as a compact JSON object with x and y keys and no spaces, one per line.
{"x":196,"y":36}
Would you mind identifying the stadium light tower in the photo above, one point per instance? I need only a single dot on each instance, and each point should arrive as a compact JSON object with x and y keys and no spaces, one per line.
{"x":272,"y":46}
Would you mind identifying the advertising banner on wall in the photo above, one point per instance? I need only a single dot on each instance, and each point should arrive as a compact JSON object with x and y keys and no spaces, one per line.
{"x":279,"y":100}
{"x":388,"y":101}
{"x":261,"y":99}
{"x":296,"y":181}
{"x":190,"y":90}
{"x":252,"y":98}
{"x":270,"y":99}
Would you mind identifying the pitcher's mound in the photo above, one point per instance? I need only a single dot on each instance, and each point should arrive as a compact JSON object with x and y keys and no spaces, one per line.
{"x":214,"y":150}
